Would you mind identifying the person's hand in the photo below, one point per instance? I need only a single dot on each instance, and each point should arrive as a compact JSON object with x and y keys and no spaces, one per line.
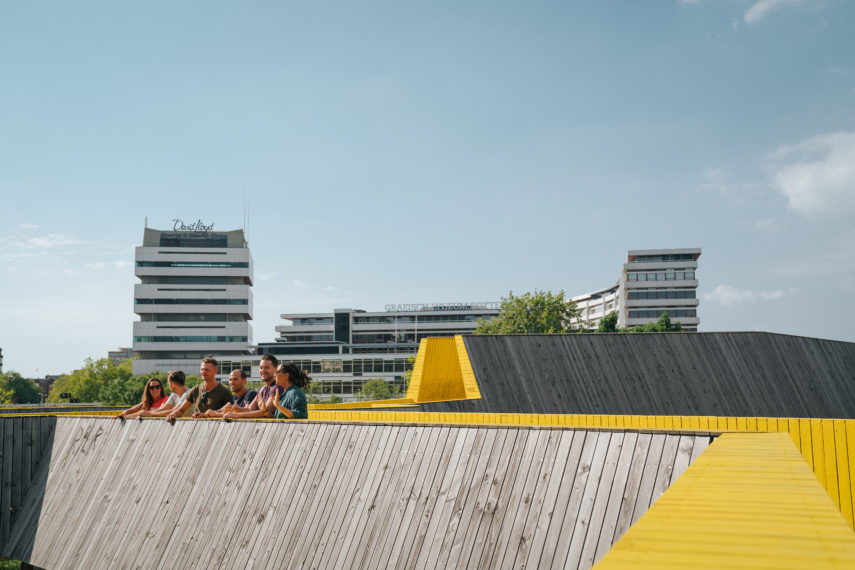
{"x":229,"y":416}
{"x":144,"y":413}
{"x":228,"y":407}
{"x":198,"y":415}
{"x":171,"y":418}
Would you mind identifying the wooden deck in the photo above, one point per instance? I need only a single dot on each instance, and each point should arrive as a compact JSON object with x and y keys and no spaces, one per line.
{"x":338,"y":495}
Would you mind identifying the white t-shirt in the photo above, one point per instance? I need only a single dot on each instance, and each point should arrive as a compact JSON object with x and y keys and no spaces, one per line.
{"x":175,"y":400}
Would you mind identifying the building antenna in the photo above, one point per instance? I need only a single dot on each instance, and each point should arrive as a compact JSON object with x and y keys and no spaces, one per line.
{"x":146,"y":221}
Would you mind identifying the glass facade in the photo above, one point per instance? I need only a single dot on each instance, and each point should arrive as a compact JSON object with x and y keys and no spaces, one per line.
{"x":219,"y":264}
{"x":191,"y":301}
{"x":642,"y":294}
{"x":179,"y":239}
{"x":665,"y":258}
{"x":656,"y":313}
{"x":190,"y":339}
{"x":666,"y":275}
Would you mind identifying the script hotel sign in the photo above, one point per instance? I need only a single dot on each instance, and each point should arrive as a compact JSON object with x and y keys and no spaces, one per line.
{"x":198,"y":226}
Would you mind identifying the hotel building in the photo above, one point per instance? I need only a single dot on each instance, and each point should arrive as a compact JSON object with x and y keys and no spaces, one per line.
{"x":652,"y":282}
{"x":194,"y":298}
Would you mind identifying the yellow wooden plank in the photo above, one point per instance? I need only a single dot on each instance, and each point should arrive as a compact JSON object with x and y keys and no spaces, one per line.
{"x":804,"y":436}
{"x":817,"y":449}
{"x":742,"y":424}
{"x":829,"y":451}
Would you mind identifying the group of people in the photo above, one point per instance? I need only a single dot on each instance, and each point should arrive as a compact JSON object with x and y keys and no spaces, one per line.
{"x":281,"y":396}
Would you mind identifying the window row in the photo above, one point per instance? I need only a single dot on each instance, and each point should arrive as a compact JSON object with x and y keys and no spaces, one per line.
{"x":656,"y":313}
{"x":374,"y":338}
{"x":191,"y":301}
{"x":227,"y":264}
{"x":669,"y":275}
{"x":307,"y":338}
{"x":663,"y":258}
{"x":190,"y":339}
{"x":642,"y":294}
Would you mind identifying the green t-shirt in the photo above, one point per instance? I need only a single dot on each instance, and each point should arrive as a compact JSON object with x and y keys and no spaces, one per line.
{"x":295,"y":400}
{"x":209,"y":400}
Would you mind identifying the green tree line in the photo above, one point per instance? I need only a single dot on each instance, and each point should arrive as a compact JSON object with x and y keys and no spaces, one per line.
{"x":102,"y":381}
{"x":544,"y":312}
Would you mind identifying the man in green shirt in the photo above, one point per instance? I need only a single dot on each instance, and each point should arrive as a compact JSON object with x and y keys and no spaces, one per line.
{"x":209,"y":395}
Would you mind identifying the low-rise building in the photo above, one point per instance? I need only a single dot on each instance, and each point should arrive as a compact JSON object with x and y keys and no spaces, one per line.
{"x":345,"y":348}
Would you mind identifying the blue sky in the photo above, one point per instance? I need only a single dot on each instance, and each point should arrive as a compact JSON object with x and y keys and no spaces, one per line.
{"x":403,"y":152}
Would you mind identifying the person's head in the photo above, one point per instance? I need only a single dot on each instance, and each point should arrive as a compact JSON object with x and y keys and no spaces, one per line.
{"x":237,"y":381}
{"x":266,"y":367}
{"x":287,"y":372}
{"x":208,"y":369}
{"x":153,"y":392}
{"x":176,"y":379}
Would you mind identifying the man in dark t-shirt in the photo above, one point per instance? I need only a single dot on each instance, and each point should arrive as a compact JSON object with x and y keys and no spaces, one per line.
{"x":209,"y":395}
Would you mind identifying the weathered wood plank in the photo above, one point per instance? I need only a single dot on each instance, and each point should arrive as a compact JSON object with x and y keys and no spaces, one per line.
{"x":378,"y":517}
{"x":479,"y":481}
{"x":587,"y":503}
{"x":342,"y":493}
{"x":446,"y":523}
{"x":633,"y":485}
{"x":317,"y":533}
{"x":328,"y":486}
{"x":448,"y":491}
{"x":645,"y":495}
{"x":533,"y":546}
{"x":581,"y":451}
{"x":613,"y":502}
{"x":531,"y":500}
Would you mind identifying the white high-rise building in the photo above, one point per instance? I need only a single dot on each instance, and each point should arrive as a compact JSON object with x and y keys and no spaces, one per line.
{"x":652,"y":282}
{"x":194,"y":298}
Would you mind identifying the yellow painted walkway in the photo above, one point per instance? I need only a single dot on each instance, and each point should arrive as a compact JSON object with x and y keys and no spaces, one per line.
{"x":751,"y":501}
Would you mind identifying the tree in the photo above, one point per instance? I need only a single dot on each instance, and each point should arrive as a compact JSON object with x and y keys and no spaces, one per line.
{"x":15,"y":389}
{"x":84,"y":384}
{"x":664,"y":324}
{"x":540,"y":312}
{"x":608,"y":324}
{"x":102,"y":381}
{"x":378,"y":389}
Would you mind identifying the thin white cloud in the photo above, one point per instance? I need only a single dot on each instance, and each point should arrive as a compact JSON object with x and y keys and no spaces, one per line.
{"x":122,"y":264}
{"x":297,"y":283}
{"x":728,"y":296}
{"x":29,"y":226}
{"x":817,"y":175}
{"x":52,"y":241}
{"x":97,"y":265}
{"x":331,"y":289}
{"x":761,"y":9}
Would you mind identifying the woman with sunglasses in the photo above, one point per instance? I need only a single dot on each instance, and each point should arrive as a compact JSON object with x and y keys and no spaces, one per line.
{"x":292,"y":404}
{"x":153,"y":397}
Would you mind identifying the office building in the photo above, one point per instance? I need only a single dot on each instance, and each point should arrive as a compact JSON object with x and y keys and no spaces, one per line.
{"x":194,"y":298}
{"x":652,"y":281}
{"x":346,"y":347}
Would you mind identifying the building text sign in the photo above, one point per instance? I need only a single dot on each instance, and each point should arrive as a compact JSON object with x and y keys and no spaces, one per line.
{"x":197,"y":226}
{"x":466,"y":306}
